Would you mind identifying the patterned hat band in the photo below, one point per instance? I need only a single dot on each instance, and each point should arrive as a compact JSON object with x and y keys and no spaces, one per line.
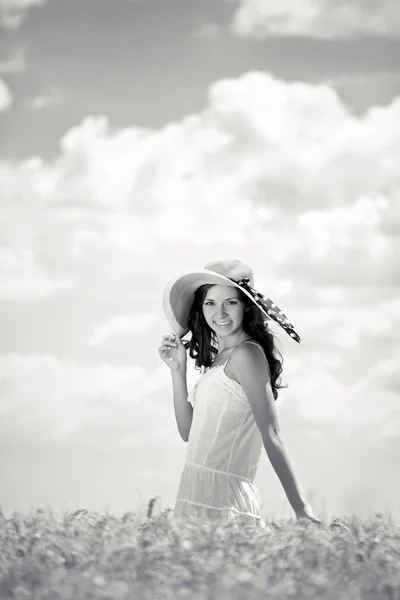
{"x":272,"y":310}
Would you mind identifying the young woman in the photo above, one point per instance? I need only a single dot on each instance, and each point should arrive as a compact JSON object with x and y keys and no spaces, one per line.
{"x":230,"y":412}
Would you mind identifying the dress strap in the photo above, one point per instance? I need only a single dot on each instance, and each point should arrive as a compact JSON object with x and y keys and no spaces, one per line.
{"x":252,"y":342}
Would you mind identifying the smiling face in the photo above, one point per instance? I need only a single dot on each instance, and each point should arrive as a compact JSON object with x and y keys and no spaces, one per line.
{"x":223,"y":311}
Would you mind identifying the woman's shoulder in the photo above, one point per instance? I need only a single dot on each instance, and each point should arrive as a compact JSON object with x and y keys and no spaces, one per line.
{"x":248,"y":357}
{"x":249,"y":347}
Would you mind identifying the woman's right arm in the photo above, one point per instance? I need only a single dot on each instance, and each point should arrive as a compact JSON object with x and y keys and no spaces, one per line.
{"x":183,"y":408}
{"x":173,"y":353}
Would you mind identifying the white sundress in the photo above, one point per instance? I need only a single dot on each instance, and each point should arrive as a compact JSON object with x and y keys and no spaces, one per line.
{"x":223,"y":453}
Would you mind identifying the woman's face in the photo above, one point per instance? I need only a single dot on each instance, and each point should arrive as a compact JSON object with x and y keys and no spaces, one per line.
{"x":223,"y":310}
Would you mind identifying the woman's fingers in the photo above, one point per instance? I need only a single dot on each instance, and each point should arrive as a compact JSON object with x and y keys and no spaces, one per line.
{"x":167,"y":344}
{"x":168,"y":340}
{"x":165,"y":350}
{"x":172,"y":351}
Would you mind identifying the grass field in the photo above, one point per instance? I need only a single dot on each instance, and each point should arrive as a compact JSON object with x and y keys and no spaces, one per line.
{"x":86,"y":555}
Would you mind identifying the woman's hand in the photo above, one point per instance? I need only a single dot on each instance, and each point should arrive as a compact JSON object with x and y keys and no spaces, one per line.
{"x":306,"y":512}
{"x":173,"y":352}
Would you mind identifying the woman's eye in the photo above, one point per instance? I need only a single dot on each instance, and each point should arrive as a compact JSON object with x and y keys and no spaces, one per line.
{"x":229,"y":302}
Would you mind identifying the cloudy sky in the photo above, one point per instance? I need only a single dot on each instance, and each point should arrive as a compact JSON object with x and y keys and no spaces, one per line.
{"x":142,"y":138}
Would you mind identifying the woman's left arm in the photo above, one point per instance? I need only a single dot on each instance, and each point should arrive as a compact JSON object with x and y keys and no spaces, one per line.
{"x":280,"y":460}
{"x":253,"y":375}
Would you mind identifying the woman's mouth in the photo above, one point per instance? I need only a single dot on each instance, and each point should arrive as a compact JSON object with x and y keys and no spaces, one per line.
{"x":223,"y":323}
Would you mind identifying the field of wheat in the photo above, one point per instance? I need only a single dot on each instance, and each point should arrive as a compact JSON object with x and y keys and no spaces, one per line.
{"x":87,"y":555}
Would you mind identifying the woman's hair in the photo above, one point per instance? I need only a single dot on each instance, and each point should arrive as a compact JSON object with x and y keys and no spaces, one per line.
{"x":201,"y":346}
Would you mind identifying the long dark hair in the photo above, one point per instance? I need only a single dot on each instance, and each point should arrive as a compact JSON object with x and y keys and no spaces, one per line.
{"x":201,"y":346}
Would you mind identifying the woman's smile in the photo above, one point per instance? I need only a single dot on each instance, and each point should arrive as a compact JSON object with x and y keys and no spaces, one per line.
{"x":223,"y":310}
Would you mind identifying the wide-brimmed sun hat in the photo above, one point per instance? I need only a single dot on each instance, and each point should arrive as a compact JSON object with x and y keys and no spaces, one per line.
{"x":179,"y":292}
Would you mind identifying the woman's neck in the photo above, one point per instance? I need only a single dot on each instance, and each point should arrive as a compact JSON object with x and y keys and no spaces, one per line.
{"x":220,"y":350}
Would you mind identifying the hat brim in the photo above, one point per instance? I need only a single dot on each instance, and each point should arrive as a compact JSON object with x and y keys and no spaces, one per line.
{"x":179,"y":292}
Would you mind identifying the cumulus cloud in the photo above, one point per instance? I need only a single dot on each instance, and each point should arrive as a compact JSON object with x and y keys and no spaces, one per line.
{"x":206,"y":31}
{"x":23,"y":278}
{"x":45,"y":398}
{"x":285,"y":165}
{"x":13,"y":12}
{"x":138,"y":322}
{"x":316,"y":395}
{"x":41,"y":101}
{"x":329,"y":237}
{"x":325,"y":19}
{"x":5,"y":96}
{"x":14,"y":63}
